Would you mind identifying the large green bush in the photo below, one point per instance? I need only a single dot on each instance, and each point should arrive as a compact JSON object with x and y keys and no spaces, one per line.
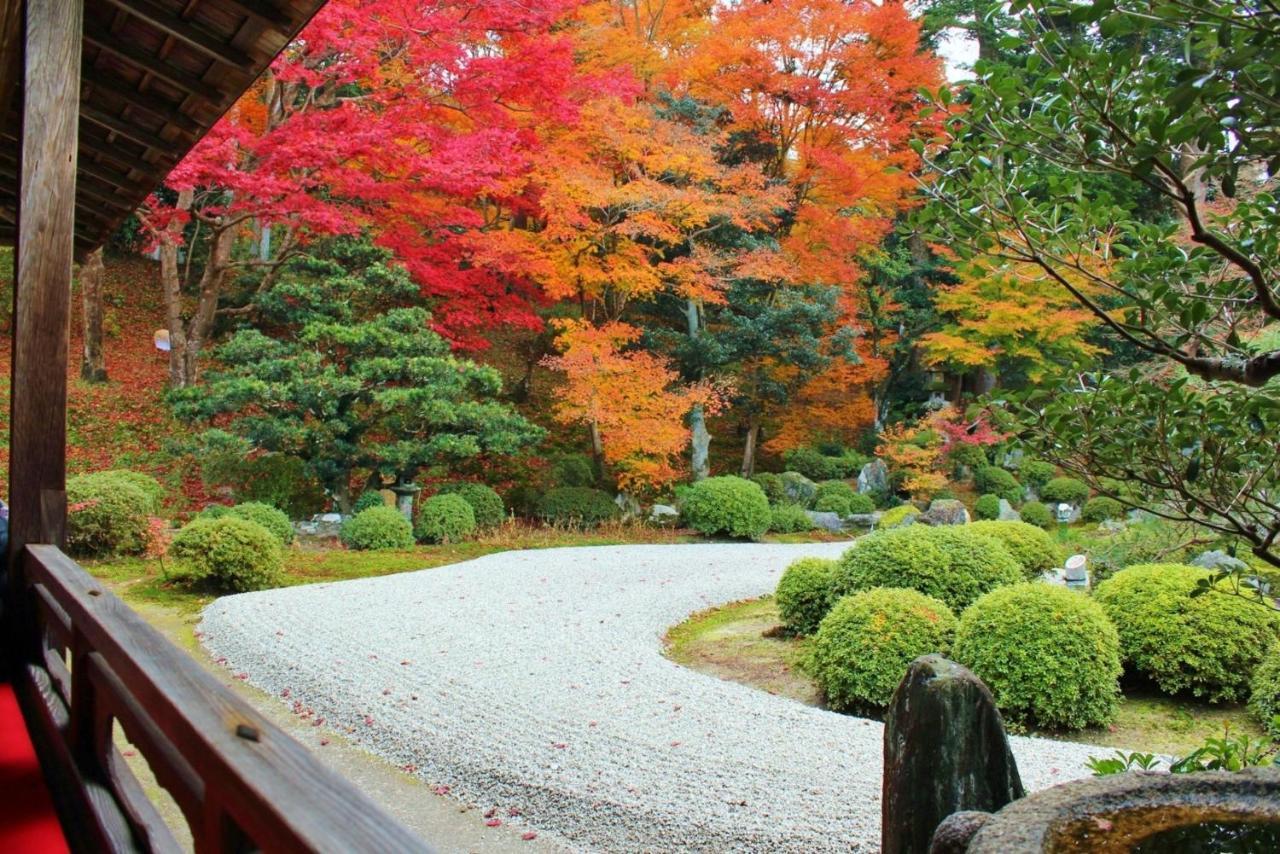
{"x":953,"y":563}
{"x":1208,"y":645}
{"x":445,"y":518}
{"x":772,"y":486}
{"x":831,"y":503}
{"x":896,"y":517}
{"x":864,"y":645}
{"x":964,"y":454}
{"x":106,"y":515}
{"x":1101,"y":508}
{"x":998,"y":482}
{"x":1049,"y":655}
{"x":1065,"y":490}
{"x":804,"y":594}
{"x":987,"y":507}
{"x":1035,"y":513}
{"x":576,"y":506}
{"x":1036,"y":473}
{"x":815,"y":465}
{"x":485,"y":503}
{"x":838,"y":489}
{"x":574,"y":470}
{"x":368,"y":498}
{"x":727,"y":505}
{"x":789,"y":519}
{"x":861,"y":504}
{"x":1264,"y":691}
{"x":377,"y":528}
{"x":145,"y":482}
{"x":1030,"y":546}
{"x":229,"y":553}
{"x":268,"y":517}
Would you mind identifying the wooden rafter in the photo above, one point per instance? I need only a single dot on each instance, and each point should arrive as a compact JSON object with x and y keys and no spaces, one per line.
{"x":192,"y":34}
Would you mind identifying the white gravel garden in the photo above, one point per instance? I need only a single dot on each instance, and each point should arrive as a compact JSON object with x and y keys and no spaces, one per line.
{"x":535,"y":682}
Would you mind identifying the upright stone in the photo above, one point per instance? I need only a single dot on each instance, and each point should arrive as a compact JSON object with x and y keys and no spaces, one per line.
{"x":874,"y":477}
{"x":945,"y":751}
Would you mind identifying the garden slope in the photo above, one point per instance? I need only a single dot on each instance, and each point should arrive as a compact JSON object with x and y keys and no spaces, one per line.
{"x":534,"y":681}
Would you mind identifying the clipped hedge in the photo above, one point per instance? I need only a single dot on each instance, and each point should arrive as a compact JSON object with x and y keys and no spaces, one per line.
{"x":772,"y":486}
{"x":998,"y":482}
{"x":896,"y":517}
{"x":861,"y":504}
{"x":377,"y":528}
{"x":727,"y":505}
{"x":789,"y":519}
{"x":987,"y":507}
{"x":230,"y":553}
{"x":1065,"y":490}
{"x":486,"y":504}
{"x":838,"y":489}
{"x":271,"y":518}
{"x":445,"y":518}
{"x":1036,"y":473}
{"x":804,"y":594}
{"x":815,"y":465}
{"x":107,"y":514}
{"x":149,"y":485}
{"x":1035,"y":513}
{"x":954,"y":563}
{"x":368,"y":498}
{"x":837,"y":504}
{"x":1101,"y":508}
{"x":864,"y":645}
{"x":574,"y":470}
{"x":1030,"y":546}
{"x":1208,"y":645}
{"x":1264,"y":691}
{"x":576,"y":506}
{"x":1050,"y":655}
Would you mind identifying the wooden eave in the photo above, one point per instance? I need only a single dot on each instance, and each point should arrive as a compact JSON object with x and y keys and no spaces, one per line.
{"x":155,"y":76}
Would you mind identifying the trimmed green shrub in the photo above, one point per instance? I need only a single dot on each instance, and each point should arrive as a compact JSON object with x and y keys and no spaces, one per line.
{"x":1049,"y":655}
{"x":445,"y":518}
{"x":1035,"y":513}
{"x":214,"y":511}
{"x":368,"y":498}
{"x":1264,"y":691}
{"x":577,"y":506}
{"x":523,"y":501}
{"x":149,"y":485}
{"x":804,"y":594}
{"x":1208,"y":645}
{"x":1065,"y":490}
{"x":896,"y":517}
{"x":860,"y":504}
{"x":798,"y":489}
{"x":574,"y":470}
{"x":789,"y":519}
{"x":953,"y":563}
{"x":485,"y":503}
{"x":987,"y":507}
{"x":832,"y":503}
{"x":815,"y":465}
{"x":377,"y":528}
{"x":1036,"y":473}
{"x":1030,"y":546}
{"x":1101,"y":508}
{"x":864,"y":645}
{"x":998,"y":482}
{"x":231,"y":553}
{"x":838,"y":488}
{"x":106,"y":515}
{"x":772,"y":486}
{"x":268,"y":517}
{"x":963,"y":454}
{"x":727,"y":505}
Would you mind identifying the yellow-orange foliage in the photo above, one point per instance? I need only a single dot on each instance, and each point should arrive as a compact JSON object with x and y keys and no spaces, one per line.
{"x":916,"y":452}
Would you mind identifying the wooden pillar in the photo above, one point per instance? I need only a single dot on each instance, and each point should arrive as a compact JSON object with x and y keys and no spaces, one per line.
{"x":42,"y":275}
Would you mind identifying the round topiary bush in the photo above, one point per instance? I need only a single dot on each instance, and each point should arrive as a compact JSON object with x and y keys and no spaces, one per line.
{"x":973,"y":457}
{"x":864,"y":645}
{"x":953,"y":563}
{"x":998,"y":482}
{"x":377,"y":528}
{"x":1035,"y":513}
{"x":446,"y":518}
{"x":1030,"y":546}
{"x":772,"y":486}
{"x":268,"y":517}
{"x":897,"y":517}
{"x":789,"y":519}
{"x":574,"y":470}
{"x":816,"y":465}
{"x":860,"y":504}
{"x":831,"y":503}
{"x":727,"y":505}
{"x":230,"y":553}
{"x":834,"y":488}
{"x":106,"y":515}
{"x":1208,"y":645}
{"x":804,"y":594}
{"x":1065,"y":490}
{"x":576,"y":506}
{"x":486,"y":504}
{"x":1049,"y":655}
{"x":987,"y":507}
{"x":1264,"y":692}
{"x":368,"y":498}
{"x":145,"y":482}
{"x":1101,"y":508}
{"x":1036,"y":473}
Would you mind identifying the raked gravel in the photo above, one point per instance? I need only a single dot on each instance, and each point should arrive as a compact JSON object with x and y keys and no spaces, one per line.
{"x":534,"y":682}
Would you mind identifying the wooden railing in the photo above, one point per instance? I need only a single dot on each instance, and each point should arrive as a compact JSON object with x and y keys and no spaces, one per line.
{"x":242,"y":784}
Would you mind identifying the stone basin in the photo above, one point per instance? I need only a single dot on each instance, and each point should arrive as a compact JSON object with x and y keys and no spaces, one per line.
{"x":1212,"y":811}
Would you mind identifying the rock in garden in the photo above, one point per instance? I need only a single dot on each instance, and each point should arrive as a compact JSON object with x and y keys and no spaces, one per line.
{"x":798,"y":488}
{"x":628,"y":504}
{"x":954,"y":834}
{"x":826,"y":521}
{"x":945,"y":751}
{"x":863,"y":520}
{"x":1007,"y":513}
{"x":945,"y":511}
{"x":874,"y":477}
{"x":663,"y":514}
{"x":1219,"y":560}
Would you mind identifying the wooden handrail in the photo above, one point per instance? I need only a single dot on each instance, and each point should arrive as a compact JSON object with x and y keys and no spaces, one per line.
{"x":240,"y":781}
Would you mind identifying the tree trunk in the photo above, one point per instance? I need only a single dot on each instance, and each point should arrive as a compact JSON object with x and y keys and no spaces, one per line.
{"x":749,"y":450}
{"x":216,"y":273}
{"x":341,"y":491}
{"x":171,"y":284}
{"x":93,"y":367}
{"x":700,"y":438}
{"x":597,"y":446}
